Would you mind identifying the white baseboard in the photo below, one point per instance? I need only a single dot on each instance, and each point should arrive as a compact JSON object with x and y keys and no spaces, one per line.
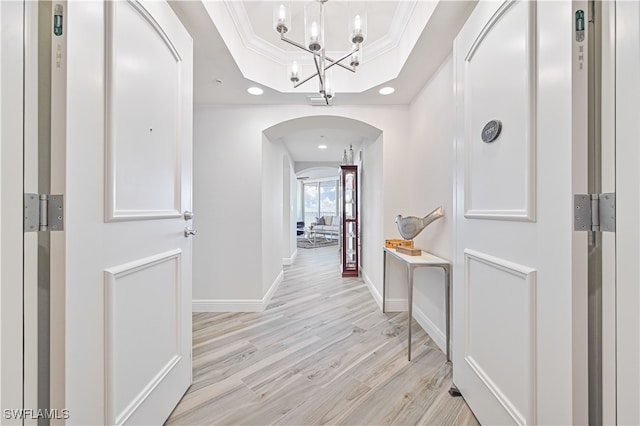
{"x":437,"y":335}
{"x":392,"y":305}
{"x":227,"y":305}
{"x":400,"y":305}
{"x":372,"y":289}
{"x":289,"y":260}
{"x":267,"y":297}
{"x":237,"y":305}
{"x":396,"y":305}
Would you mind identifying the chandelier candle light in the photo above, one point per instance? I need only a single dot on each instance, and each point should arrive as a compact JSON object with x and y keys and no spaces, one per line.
{"x":314,"y":34}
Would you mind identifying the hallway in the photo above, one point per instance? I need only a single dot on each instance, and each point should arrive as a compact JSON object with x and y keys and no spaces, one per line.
{"x":322,"y":353}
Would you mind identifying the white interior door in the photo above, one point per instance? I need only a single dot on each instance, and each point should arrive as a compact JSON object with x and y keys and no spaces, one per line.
{"x":627,"y":137}
{"x":128,"y":184}
{"x":520,"y":300}
{"x":11,"y":235}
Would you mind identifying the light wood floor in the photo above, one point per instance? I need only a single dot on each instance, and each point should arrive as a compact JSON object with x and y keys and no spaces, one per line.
{"x":321,"y":353}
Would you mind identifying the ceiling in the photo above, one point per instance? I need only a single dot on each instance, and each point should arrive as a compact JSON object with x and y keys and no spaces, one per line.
{"x":236,"y":47}
{"x":303,"y":135}
{"x":303,"y":144}
{"x":382,"y":16}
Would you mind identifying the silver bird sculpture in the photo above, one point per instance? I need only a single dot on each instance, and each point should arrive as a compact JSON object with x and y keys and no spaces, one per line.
{"x":411,"y":226}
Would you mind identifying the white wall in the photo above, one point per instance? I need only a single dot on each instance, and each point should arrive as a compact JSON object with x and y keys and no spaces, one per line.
{"x":422,"y":180}
{"x":293,"y":207}
{"x":299,"y":200}
{"x":371,"y":215}
{"x":228,"y":197}
{"x":432,"y":171}
{"x":272,"y":212}
{"x":289,"y":202}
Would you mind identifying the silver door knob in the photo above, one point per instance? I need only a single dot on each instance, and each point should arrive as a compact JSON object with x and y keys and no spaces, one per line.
{"x":188,"y":215}
{"x":188,"y":231}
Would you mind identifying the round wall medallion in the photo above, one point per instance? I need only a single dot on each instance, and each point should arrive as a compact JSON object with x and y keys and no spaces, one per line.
{"x":491,"y":131}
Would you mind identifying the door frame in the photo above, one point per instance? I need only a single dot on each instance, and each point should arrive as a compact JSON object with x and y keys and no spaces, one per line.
{"x":608,"y":118}
{"x":620,"y":322}
{"x":11,"y":194}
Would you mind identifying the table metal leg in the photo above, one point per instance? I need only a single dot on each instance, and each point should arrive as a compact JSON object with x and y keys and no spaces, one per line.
{"x":447,"y":300}
{"x":410,"y":268}
{"x":384,"y":279}
{"x":410,"y":309}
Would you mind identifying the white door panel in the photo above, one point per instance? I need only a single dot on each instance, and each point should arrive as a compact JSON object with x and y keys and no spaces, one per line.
{"x":129,"y":109}
{"x":507,"y":166}
{"x":151,"y":289}
{"x":518,"y":300}
{"x":508,"y":373}
{"x":628,"y":204}
{"x":142,"y":60}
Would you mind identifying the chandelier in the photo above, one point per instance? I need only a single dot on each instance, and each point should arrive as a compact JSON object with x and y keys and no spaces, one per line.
{"x":315,"y":44}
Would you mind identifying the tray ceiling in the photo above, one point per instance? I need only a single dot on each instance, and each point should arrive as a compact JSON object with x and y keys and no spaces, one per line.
{"x":235,"y":46}
{"x":248,"y":32}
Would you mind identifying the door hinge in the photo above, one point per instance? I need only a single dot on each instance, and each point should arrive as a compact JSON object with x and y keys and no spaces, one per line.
{"x":43,"y":212}
{"x":594,"y":212}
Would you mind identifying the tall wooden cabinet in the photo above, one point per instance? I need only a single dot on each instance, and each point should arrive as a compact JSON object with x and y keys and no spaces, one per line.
{"x":349,"y":217}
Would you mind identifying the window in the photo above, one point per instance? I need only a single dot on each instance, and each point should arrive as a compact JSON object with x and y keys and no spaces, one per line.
{"x":310,"y":208}
{"x":320,"y":199}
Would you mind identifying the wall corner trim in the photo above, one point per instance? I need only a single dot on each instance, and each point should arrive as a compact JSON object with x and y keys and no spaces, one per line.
{"x":226,"y":305}
{"x":237,"y":305}
{"x":267,"y":297}
{"x":287,"y":261}
{"x":372,"y":289}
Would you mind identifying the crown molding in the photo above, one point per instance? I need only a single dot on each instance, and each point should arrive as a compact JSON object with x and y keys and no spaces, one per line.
{"x":261,"y":61}
{"x":252,"y":41}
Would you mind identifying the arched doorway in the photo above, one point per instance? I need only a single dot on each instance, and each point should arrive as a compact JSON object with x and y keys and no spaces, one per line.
{"x":311,"y":149}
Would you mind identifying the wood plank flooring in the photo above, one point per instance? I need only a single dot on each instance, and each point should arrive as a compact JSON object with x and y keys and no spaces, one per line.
{"x":321,"y":353}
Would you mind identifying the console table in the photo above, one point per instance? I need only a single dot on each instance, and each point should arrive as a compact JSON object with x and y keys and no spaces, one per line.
{"x":426,"y":260}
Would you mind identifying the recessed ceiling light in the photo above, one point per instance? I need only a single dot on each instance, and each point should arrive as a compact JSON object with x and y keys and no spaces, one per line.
{"x":387,"y":90}
{"x":255,"y":91}
{"x":322,"y":147}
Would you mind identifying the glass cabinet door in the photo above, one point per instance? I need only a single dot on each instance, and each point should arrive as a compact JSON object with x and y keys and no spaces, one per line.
{"x":350,"y":245}
{"x":349,"y":190}
{"x":349,"y":221}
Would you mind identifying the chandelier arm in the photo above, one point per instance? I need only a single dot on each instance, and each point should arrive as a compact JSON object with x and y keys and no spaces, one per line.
{"x":323,"y":89}
{"x":338,"y":62}
{"x":298,"y":45}
{"x":315,"y":61}
{"x":304,"y":81}
{"x":333,"y":61}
